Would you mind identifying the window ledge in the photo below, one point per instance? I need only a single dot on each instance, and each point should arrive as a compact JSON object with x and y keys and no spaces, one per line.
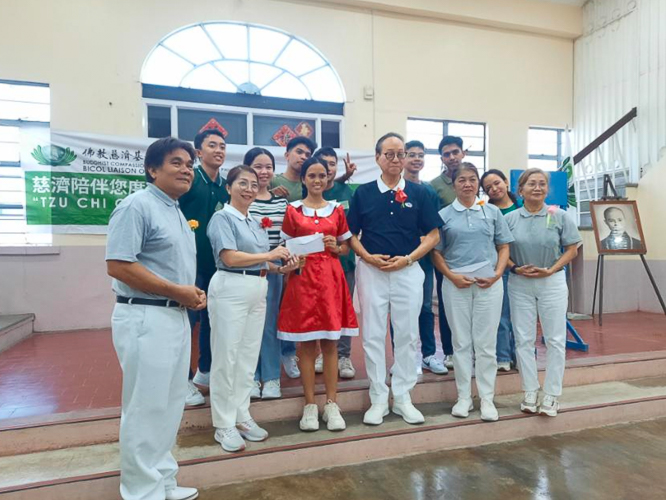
{"x":29,"y":250}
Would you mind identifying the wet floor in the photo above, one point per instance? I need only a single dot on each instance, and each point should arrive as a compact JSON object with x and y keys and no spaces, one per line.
{"x":612,"y":463}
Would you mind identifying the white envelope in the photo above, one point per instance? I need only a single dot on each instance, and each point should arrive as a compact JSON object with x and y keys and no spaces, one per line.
{"x":481,"y":269}
{"x":305,"y":245}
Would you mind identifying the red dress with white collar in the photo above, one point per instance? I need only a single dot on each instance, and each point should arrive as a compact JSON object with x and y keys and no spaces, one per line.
{"x":316,"y":303}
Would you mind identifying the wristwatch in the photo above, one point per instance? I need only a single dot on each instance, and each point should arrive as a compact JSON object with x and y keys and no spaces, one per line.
{"x":410,"y":261}
{"x":513,"y":269}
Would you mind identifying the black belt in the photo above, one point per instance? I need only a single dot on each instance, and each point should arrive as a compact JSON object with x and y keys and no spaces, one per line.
{"x":148,"y":302}
{"x":261,"y":272}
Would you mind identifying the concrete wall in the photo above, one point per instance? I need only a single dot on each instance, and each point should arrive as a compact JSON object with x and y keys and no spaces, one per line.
{"x":505,"y":62}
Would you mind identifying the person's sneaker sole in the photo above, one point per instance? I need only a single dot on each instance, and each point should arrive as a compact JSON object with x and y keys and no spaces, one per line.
{"x":490,"y":419}
{"x":247,"y":437}
{"x":386,"y":412}
{"x":458,"y":415}
{"x":436,"y":372}
{"x":230,"y":450}
{"x":528,"y":409}
{"x":314,"y":429}
{"x":548,"y":413}
{"x":398,"y":411}
{"x":331,"y":427}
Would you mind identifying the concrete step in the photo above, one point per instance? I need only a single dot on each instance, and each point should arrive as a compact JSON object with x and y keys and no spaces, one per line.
{"x":92,"y":471}
{"x":28,"y":435}
{"x":14,"y":328}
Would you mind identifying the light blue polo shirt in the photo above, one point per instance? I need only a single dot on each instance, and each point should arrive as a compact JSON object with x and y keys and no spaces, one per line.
{"x":470,"y":235}
{"x":229,"y":229}
{"x":538,"y":239}
{"x":148,"y":227}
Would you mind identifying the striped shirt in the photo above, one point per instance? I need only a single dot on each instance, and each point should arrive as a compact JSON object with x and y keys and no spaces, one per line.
{"x":274,"y":209}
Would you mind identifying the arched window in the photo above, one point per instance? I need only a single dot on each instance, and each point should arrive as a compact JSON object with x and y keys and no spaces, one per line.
{"x":242,"y":58}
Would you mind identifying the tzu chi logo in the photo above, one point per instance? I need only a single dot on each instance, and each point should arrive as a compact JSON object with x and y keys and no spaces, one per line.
{"x":54,"y":156}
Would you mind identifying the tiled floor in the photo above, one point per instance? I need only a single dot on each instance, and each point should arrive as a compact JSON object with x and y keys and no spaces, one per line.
{"x":70,"y":371}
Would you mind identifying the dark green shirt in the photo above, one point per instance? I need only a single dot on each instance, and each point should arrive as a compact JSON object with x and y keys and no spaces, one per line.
{"x":342,"y":193}
{"x":295,"y":188}
{"x":443,"y":185}
{"x":204,"y":198}
{"x":510,"y":209}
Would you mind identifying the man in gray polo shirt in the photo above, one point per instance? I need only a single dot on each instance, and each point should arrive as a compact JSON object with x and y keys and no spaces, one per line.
{"x":151,"y":255}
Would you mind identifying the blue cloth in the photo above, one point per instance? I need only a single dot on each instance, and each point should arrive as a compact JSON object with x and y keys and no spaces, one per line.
{"x":268,"y":366}
{"x":387,"y":226}
{"x":470,"y":235}
{"x":506,"y":347}
{"x":148,"y":227}
{"x":205,"y":359}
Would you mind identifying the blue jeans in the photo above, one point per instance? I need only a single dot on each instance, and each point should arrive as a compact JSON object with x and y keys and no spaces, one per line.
{"x":506,"y":347}
{"x":268,"y":366}
{"x":444,"y":329}
{"x":344,"y":344}
{"x":202,"y":281}
{"x":426,"y":316}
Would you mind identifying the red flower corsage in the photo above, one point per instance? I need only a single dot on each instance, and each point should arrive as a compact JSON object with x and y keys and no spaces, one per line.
{"x":266,"y":223}
{"x":401,"y":197}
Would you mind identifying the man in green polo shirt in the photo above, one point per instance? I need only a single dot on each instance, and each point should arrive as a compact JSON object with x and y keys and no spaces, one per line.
{"x":299,"y":149}
{"x":342,"y":193}
{"x":451,"y":149}
{"x":207,"y":195}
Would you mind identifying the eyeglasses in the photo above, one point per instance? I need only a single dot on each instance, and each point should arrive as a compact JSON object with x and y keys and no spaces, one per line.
{"x":390,"y":155}
{"x":420,"y":156}
{"x":246,"y":185}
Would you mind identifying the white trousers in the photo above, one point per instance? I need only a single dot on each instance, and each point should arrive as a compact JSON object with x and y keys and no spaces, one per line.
{"x":153,"y":347}
{"x":237,"y":311}
{"x":548,"y":298}
{"x":401,"y":294}
{"x":474,"y":314}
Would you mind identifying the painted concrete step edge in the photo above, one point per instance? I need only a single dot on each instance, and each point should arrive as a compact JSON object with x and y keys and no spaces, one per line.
{"x":616,"y":402}
{"x":104,"y":428}
{"x":15,"y":328}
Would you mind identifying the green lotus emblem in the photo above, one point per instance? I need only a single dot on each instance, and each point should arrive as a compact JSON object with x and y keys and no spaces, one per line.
{"x":53,"y":155}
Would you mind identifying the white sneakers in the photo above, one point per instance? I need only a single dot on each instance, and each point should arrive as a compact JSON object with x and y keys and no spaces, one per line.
{"x":290,"y":364}
{"x":488,"y":411}
{"x":251,"y":431}
{"x":333,"y":417}
{"x":408,"y":412}
{"x":271,"y":389}
{"x":194,"y":396}
{"x":346,"y":368}
{"x":230,"y":439}
{"x":255,"y":393}
{"x":462,"y":408}
{"x":181,"y":493}
{"x":434,"y":365}
{"x":529,"y":404}
{"x":504,"y":366}
{"x":549,"y":406}
{"x":448,"y":361}
{"x":310,"y":420}
{"x":375,"y":414}
{"x":319,"y":363}
{"x":202,"y":378}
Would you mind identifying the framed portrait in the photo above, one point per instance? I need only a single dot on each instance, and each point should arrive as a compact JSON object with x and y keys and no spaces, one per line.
{"x":617,"y":227}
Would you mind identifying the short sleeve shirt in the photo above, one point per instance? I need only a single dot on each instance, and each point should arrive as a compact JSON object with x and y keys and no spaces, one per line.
{"x":148,"y":227}
{"x":295,"y":188}
{"x":229,"y":229}
{"x":470,"y":235}
{"x":204,"y":198}
{"x":342,"y":194}
{"x":539,"y":237}
{"x":388,"y":226}
{"x":443,"y":186}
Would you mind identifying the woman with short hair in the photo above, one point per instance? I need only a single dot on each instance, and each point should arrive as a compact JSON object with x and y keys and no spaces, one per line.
{"x":472,"y":255}
{"x":538,"y":287}
{"x":237,"y":304}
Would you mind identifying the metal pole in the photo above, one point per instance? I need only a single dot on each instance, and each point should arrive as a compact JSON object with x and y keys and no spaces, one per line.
{"x":654,"y":284}
{"x":601,"y":290}
{"x":596,"y":282}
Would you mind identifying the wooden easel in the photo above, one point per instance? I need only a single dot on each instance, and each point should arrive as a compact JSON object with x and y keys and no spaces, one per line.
{"x":599,"y":278}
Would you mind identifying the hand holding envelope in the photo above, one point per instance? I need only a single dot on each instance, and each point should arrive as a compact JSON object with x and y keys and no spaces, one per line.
{"x":481,"y":270}
{"x":306,"y":245}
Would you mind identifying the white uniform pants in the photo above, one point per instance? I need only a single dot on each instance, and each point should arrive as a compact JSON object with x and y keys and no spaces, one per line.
{"x":474,"y":314}
{"x":237,"y":311}
{"x":547,"y":298}
{"x":153,"y":347}
{"x":401,"y":294}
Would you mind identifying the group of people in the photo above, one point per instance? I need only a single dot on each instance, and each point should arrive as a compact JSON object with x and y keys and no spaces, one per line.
{"x":216,"y":247}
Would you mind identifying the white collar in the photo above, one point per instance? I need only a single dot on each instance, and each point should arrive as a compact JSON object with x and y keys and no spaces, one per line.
{"x":461,"y":208}
{"x":383,"y":187}
{"x":312,"y":212}
{"x":236,"y":213}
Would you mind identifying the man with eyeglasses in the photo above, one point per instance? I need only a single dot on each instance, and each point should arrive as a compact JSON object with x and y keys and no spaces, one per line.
{"x":452,"y":154}
{"x":414,"y":163}
{"x":387,"y":218}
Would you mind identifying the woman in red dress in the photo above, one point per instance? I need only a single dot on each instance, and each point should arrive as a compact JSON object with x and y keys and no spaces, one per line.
{"x":317,"y":305}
